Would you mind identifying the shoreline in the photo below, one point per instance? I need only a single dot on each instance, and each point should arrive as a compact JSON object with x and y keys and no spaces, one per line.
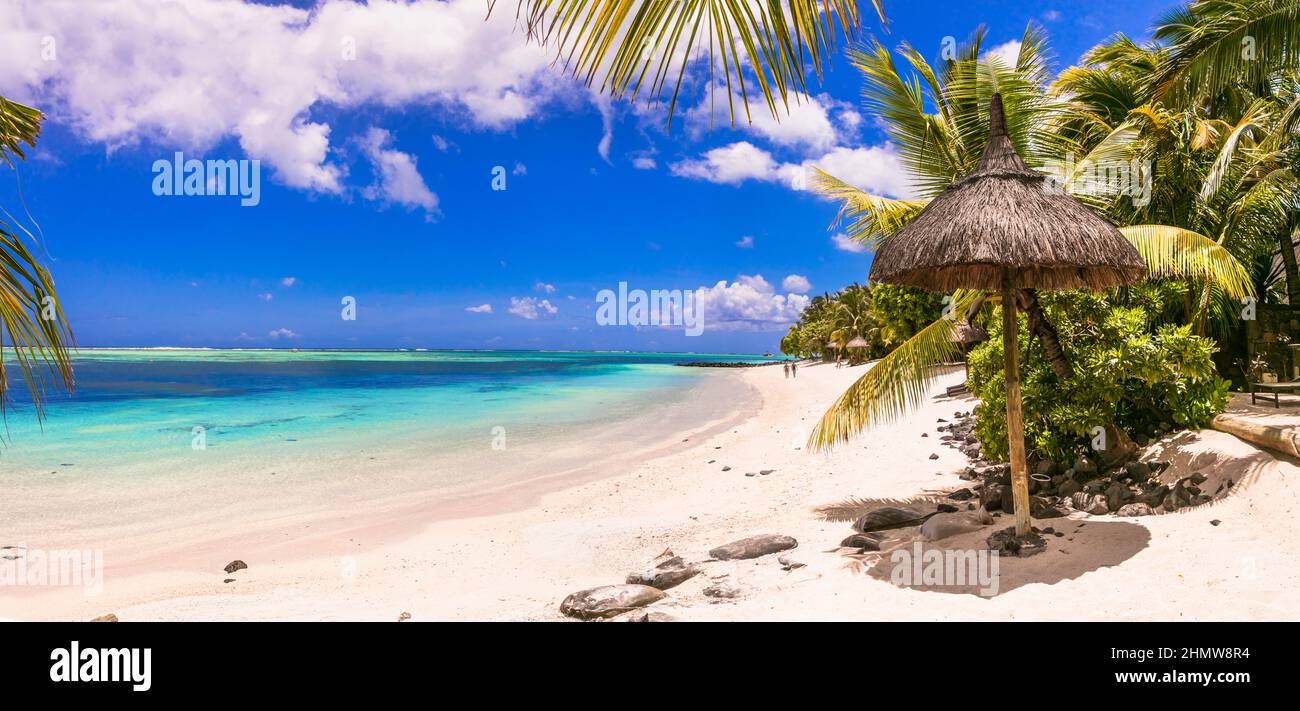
{"x":520,"y":564}
{"x":386,"y":520}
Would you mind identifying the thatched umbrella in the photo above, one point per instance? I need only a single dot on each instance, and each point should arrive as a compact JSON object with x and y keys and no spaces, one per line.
{"x":857,"y":342}
{"x":1001,"y":228}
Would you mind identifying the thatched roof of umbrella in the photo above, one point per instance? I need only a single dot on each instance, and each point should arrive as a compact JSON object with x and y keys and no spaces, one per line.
{"x":1004,"y":216}
{"x":858,"y":342}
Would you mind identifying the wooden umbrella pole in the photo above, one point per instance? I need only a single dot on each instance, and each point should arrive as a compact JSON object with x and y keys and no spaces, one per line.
{"x":1015,"y":426}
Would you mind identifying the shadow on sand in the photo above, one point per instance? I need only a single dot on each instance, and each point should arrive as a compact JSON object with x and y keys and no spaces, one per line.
{"x":1086,"y":546}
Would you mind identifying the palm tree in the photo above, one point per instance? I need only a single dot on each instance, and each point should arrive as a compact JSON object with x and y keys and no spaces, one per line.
{"x":938,"y":146}
{"x":852,"y":316}
{"x":32,"y":325}
{"x":620,"y":45}
{"x":1215,"y":45}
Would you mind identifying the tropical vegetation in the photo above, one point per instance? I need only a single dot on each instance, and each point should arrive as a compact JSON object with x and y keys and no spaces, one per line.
{"x":881,"y":315}
{"x":1208,"y":148}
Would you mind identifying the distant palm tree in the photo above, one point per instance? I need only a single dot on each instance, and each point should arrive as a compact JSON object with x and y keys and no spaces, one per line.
{"x":32,"y":325}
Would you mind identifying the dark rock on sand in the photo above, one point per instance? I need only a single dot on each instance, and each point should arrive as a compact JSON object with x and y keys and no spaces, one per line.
{"x":648,"y":617}
{"x":1138,"y":471}
{"x":110,"y":617}
{"x":722,"y":591}
{"x":788,"y":563}
{"x":1006,"y":542}
{"x":609,"y":600}
{"x":1135,"y":510}
{"x":1046,"y":507}
{"x":991,"y":497}
{"x":862,"y":542}
{"x":1094,"y":504}
{"x":234,"y":565}
{"x":887,"y":517}
{"x":753,"y":547}
{"x":670,"y":573}
{"x":961,"y":495}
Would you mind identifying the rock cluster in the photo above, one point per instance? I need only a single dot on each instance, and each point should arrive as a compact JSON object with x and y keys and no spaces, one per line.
{"x":647,"y":587}
{"x":1109,"y":481}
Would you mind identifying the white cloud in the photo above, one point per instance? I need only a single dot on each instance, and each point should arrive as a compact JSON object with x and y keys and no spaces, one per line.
{"x":530,"y":307}
{"x":875,"y":169}
{"x":731,"y":164}
{"x":1008,"y":52}
{"x":544,"y":287}
{"x":282,"y":333}
{"x":288,"y":281}
{"x":606,"y":109}
{"x":397,"y":179}
{"x":1051,"y":15}
{"x":480,"y":309}
{"x":266,"y":297}
{"x":796,"y":283}
{"x":644,"y":163}
{"x":813,"y":123}
{"x":748,"y":304}
{"x":189,"y":74}
{"x":745,"y":242}
{"x":844,"y":243}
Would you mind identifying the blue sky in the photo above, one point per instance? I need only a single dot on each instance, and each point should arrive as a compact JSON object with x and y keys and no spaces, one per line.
{"x":377,"y":176}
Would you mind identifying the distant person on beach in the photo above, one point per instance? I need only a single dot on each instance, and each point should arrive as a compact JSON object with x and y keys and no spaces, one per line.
{"x":787,"y":370}
{"x":794,"y":370}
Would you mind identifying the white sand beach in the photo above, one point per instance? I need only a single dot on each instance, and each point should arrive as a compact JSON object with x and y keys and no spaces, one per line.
{"x":487,"y":561}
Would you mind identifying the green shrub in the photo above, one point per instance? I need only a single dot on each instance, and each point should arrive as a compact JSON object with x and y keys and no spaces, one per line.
{"x":1127,"y":373}
{"x":903,"y":310}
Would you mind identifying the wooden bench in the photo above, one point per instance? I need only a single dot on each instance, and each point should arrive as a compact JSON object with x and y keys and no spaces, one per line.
{"x":1275,"y":388}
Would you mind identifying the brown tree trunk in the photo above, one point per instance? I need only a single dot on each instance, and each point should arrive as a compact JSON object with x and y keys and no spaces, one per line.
{"x":1287,"y":247}
{"x":1015,"y":426}
{"x":1042,"y":328}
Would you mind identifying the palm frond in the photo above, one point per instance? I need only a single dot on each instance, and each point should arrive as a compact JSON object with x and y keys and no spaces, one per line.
{"x":1184,"y":254}
{"x":855,"y":507}
{"x":618,"y":45}
{"x":33,"y":327}
{"x":873,"y":217}
{"x":1214,"y":44}
{"x":19,"y":124}
{"x":896,"y":384}
{"x":1248,"y":123}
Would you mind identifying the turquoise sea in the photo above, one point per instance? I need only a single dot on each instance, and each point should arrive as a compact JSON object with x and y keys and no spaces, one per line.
{"x":174,"y":441}
{"x":145,"y":406}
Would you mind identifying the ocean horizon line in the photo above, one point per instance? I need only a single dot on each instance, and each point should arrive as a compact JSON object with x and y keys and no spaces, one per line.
{"x":413,"y":350}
